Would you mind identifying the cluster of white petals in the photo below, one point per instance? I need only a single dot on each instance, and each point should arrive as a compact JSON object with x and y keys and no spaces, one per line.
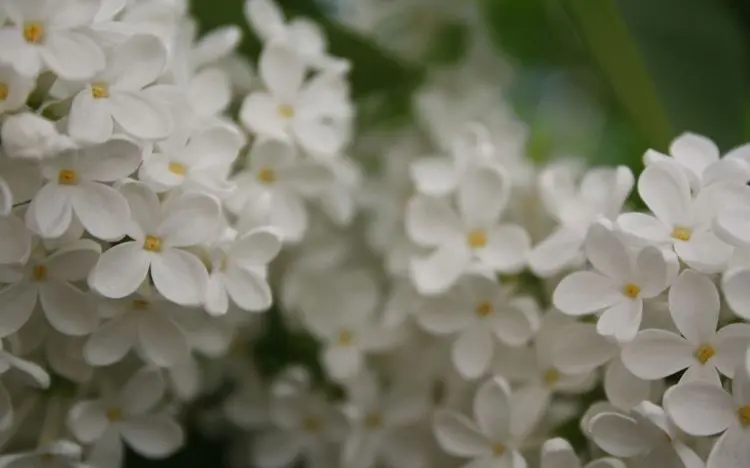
{"x":467,"y":307}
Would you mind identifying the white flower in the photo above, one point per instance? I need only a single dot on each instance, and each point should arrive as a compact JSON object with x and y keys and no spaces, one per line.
{"x":77,"y":185}
{"x":478,"y":310}
{"x":159,"y":230}
{"x":117,"y":95}
{"x":647,"y":433}
{"x":29,"y":136}
{"x":694,"y":305}
{"x":238,"y":270}
{"x":15,"y":243}
{"x":277,"y":172}
{"x":602,"y":192}
{"x":619,"y":285}
{"x":557,"y":453}
{"x":46,"y":278}
{"x":495,"y":435}
{"x":200,"y":161}
{"x":14,"y":89}
{"x":51,"y":34}
{"x":59,"y":453}
{"x":144,"y":321}
{"x":473,"y":237}
{"x":309,"y":112}
{"x":679,"y":220}
{"x":704,"y":409}
{"x":127,"y":417}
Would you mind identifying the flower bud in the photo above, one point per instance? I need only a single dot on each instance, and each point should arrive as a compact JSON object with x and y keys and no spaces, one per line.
{"x":30,"y":136}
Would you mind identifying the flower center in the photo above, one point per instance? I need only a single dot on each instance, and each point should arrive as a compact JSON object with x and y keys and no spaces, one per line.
{"x":39,"y":273}
{"x":498,"y":449}
{"x":631,"y":290}
{"x":484,"y":308}
{"x":67,"y":177}
{"x":267,"y":176}
{"x":373,"y":421}
{"x":285,"y":111}
{"x":33,"y":32}
{"x":4,"y":91}
{"x":99,"y":90}
{"x":682,"y":233}
{"x":550,"y":377}
{"x":345,"y":338}
{"x":477,"y":239}
{"x":311,"y":425}
{"x":114,"y":413}
{"x":177,"y":168}
{"x":140,"y":304}
{"x":744,"y":415}
{"x":152,"y":243}
{"x":704,"y":353}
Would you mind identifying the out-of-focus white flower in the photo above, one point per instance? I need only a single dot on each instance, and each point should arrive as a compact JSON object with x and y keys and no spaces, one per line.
{"x":29,"y":136}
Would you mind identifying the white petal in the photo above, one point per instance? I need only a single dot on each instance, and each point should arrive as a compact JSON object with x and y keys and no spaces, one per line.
{"x":29,"y":368}
{"x":267,"y":21}
{"x":120,"y":270}
{"x":288,"y":215}
{"x":142,"y":391}
{"x":518,"y":323}
{"x":433,"y":176}
{"x":153,"y":436}
{"x":492,"y":409}
{"x":700,"y":408}
{"x":655,"y":354}
{"x":617,"y":435}
{"x":189,"y":220}
{"x":216,"y":300}
{"x":608,"y":254}
{"x":111,"y":342}
{"x":69,"y":310}
{"x":15,"y":246}
{"x":51,"y":210}
{"x":653,"y":271}
{"x":665,"y":189}
{"x":318,"y":137}
{"x":282,"y":71}
{"x":136,"y":63}
{"x":139,"y":116}
{"x":458,"y":436}
{"x":472,"y":351}
{"x":259,"y":113}
{"x":732,"y":449}
{"x":557,"y":453}
{"x":622,"y":388}
{"x":736,"y":292}
{"x":161,"y":340}
{"x":342,"y":361}
{"x":144,"y":208}
{"x":429,"y":221}
{"x":107,"y":450}
{"x":557,"y":251}
{"x":581,"y":349}
{"x":73,"y":261}
{"x":273,"y":448}
{"x":179,"y":276}
{"x":17,"y":302}
{"x":695,"y":152}
{"x":644,"y":227}
{"x":437,"y":272}
{"x":109,"y":162}
{"x":731,"y":343}
{"x":694,"y":305}
{"x":90,"y":119}
{"x":102,"y":210}
{"x":482,"y":195}
{"x":507,"y":247}
{"x":621,"y":321}
{"x":88,"y":420}
{"x":72,"y":55}
{"x":705,"y":252}
{"x":585,"y":292}
{"x":248,"y":290}
{"x":257,"y":247}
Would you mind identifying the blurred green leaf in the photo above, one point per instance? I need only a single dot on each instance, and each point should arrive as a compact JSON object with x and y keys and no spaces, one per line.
{"x":674,"y":65}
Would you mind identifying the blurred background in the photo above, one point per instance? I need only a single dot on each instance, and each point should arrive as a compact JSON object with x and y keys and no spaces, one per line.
{"x":601,"y":80}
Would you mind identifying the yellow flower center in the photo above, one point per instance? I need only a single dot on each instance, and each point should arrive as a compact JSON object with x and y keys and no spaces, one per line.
{"x":140,"y":304}
{"x":345,"y":337}
{"x":744,"y":415}
{"x":682,"y":233}
{"x":39,"y":272}
{"x":311,"y":425}
{"x":631,"y":290}
{"x":704,"y":353}
{"x":498,"y":449}
{"x":551,"y":377}
{"x":373,"y":421}
{"x":267,"y":176}
{"x":152,"y":243}
{"x":67,"y":177}
{"x":477,"y":239}
{"x":4,"y":91}
{"x":114,"y":413}
{"x":285,"y":111}
{"x":33,"y":32}
{"x":484,"y":308}
{"x":177,"y":168}
{"x":99,"y":90}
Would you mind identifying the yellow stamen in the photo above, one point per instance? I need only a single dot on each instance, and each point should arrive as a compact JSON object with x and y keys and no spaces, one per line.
{"x":33,"y":32}
{"x":744,"y":414}
{"x":311,"y":425}
{"x":114,"y":413}
{"x":373,"y":421}
{"x":267,"y":176}
{"x":551,"y":377}
{"x":631,"y":290}
{"x":704,"y":353}
{"x":177,"y":168}
{"x":39,"y":272}
{"x":4,"y":91}
{"x":477,"y":239}
{"x":345,"y":337}
{"x":67,"y":177}
{"x":99,"y":90}
{"x":498,"y":449}
{"x":682,"y":233}
{"x":484,"y":308}
{"x":140,"y":304}
{"x":285,"y":111}
{"x":152,"y":243}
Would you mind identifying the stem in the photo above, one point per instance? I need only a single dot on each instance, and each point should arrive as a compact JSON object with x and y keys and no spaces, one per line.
{"x":52,"y":421}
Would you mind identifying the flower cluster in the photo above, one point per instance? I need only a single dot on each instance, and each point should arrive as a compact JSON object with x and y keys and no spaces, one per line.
{"x":466,"y":305}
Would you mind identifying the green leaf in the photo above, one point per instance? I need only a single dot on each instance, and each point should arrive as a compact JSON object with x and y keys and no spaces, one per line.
{"x":674,"y":66}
